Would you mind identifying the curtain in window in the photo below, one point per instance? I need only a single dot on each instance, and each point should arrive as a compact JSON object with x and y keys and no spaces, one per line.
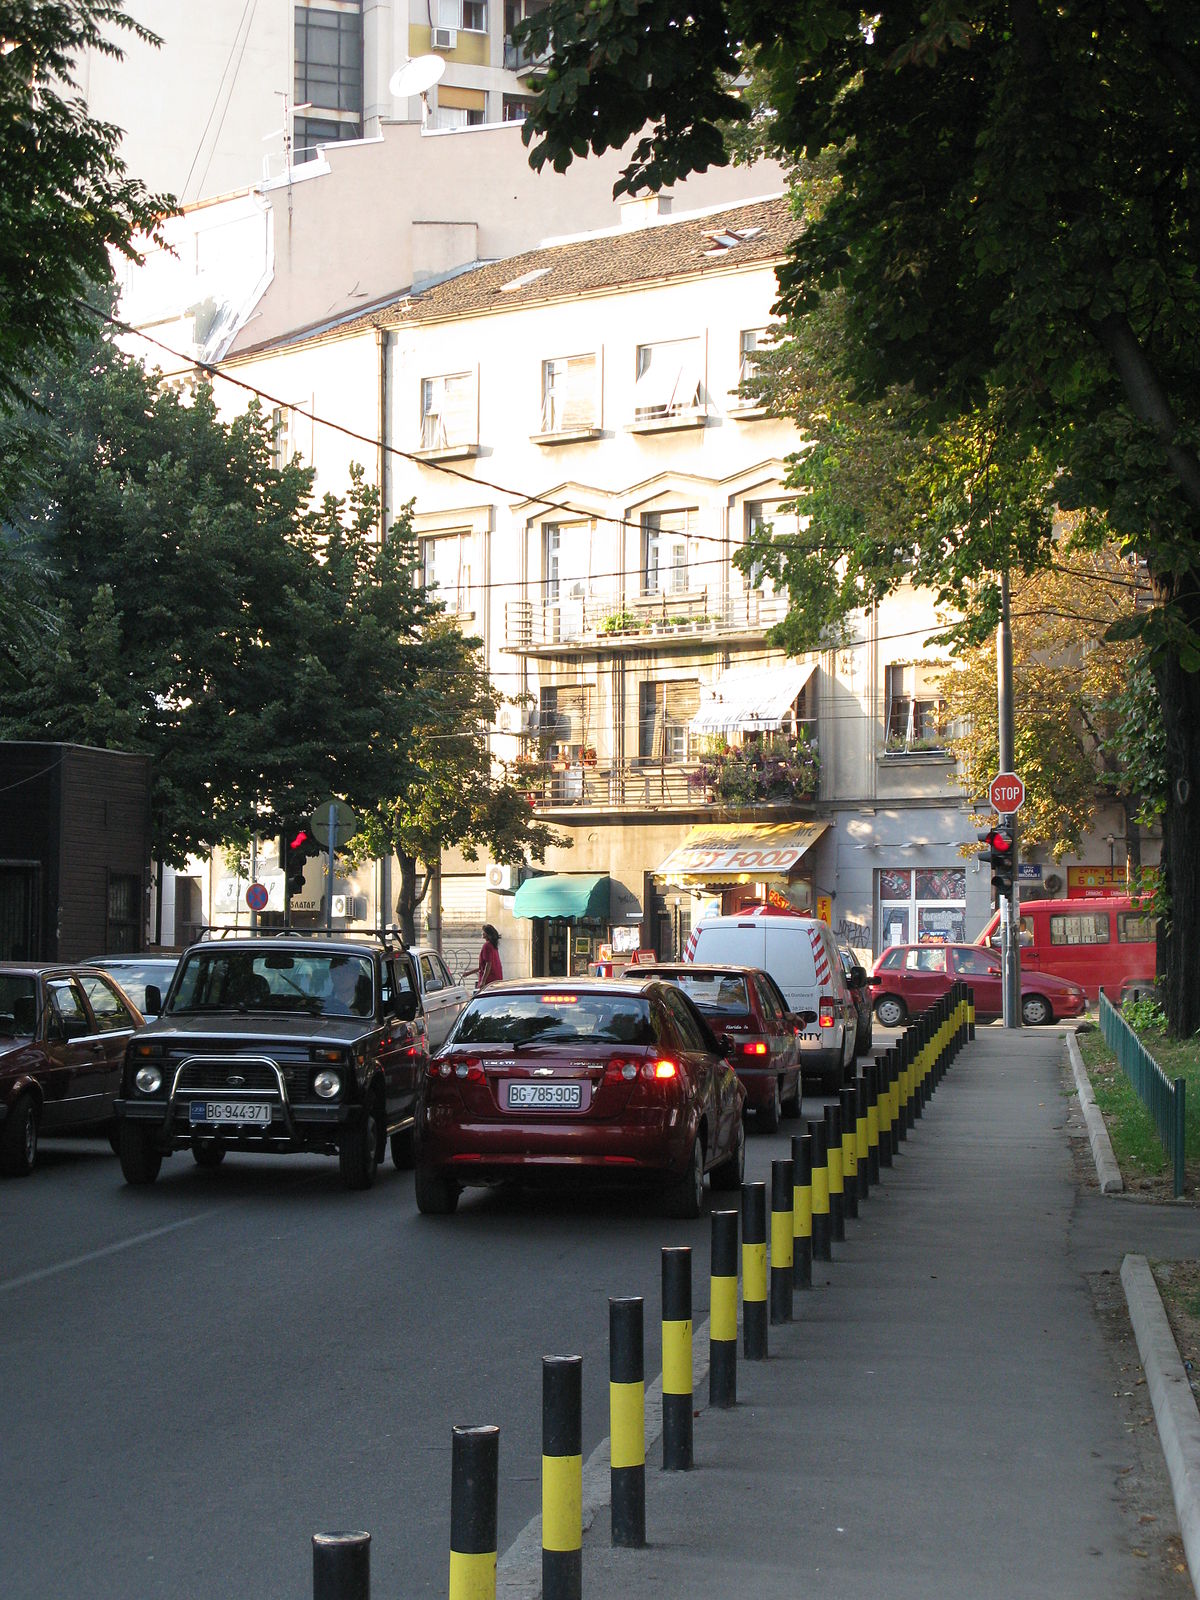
{"x":569,"y":393}
{"x":447,"y":411}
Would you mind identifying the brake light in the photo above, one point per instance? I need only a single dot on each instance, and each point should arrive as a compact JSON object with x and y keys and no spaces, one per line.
{"x":470,"y":1068}
{"x":619,"y":1068}
{"x":754,"y":1047}
{"x":825,"y":1015}
{"x":660,"y":1069}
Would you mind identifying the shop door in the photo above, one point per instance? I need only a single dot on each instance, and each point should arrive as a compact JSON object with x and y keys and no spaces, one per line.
{"x":558,"y":948}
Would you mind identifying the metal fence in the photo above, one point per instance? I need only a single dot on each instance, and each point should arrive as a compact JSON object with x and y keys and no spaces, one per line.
{"x":1162,"y":1097}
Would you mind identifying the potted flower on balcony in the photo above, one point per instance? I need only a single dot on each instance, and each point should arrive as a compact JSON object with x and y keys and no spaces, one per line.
{"x":587,"y":756}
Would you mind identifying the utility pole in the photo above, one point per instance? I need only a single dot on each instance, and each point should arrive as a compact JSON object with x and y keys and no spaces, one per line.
{"x":1010,"y":916}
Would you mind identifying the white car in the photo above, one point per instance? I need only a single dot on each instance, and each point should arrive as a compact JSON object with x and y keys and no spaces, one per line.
{"x":443,"y":996}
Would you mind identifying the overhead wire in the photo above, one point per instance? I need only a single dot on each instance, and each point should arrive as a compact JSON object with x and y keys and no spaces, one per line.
{"x":216,"y":98}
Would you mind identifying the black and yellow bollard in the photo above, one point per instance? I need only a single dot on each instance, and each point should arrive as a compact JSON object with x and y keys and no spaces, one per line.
{"x":849,"y":1111}
{"x":904,"y":1058}
{"x":723,"y":1311}
{"x":562,"y":1477}
{"x":627,"y":1422}
{"x":754,"y":1271}
{"x":802,"y":1210}
{"x":822,"y":1230}
{"x":970,"y":1014}
{"x":474,"y":1493}
{"x":341,"y":1566}
{"x":872,"y":1082}
{"x":677,"y":1358}
{"x":861,"y":1136}
{"x":833,"y":1155}
{"x":782,"y":1226}
{"x":885,"y":1064}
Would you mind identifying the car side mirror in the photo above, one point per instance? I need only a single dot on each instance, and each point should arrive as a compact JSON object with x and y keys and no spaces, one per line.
{"x":858,"y":976}
{"x":153,"y":999}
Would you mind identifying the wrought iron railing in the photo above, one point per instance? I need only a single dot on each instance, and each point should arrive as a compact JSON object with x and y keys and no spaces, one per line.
{"x":589,"y":620}
{"x":1162,"y":1097}
{"x":630,"y":785}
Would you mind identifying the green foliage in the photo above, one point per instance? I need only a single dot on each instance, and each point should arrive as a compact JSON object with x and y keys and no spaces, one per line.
{"x":761,"y":772}
{"x":1145,"y":1015}
{"x":64,"y":195}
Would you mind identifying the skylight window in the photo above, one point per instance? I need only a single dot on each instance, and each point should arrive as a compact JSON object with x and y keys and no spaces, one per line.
{"x":524,"y":279}
{"x":723,"y":239}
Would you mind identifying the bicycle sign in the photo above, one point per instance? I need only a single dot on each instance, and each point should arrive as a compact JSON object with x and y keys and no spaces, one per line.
{"x":1007,"y":793}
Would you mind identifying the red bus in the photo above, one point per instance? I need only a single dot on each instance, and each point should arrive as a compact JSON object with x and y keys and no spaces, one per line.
{"x":1099,"y":944}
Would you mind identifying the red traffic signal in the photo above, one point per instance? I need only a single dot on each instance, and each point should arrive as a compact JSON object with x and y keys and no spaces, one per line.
{"x":999,"y":842}
{"x":1002,"y":858}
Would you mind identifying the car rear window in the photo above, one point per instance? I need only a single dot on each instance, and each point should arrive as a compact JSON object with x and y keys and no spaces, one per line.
{"x":556,"y":1015}
{"x":714,"y":991}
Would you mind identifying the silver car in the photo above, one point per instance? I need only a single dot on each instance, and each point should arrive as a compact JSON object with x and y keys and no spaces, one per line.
{"x":442,"y":994}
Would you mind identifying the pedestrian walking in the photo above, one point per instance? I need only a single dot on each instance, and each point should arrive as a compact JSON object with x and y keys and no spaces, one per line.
{"x":490,"y":970}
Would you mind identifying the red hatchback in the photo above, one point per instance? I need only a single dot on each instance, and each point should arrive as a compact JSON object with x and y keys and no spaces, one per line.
{"x":908,"y":978}
{"x":748,"y":1008}
{"x":595,"y":1079}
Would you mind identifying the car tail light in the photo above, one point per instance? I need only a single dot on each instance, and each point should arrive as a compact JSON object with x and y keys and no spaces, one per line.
{"x":661,"y":1071}
{"x":753,"y":1047}
{"x":468,"y":1067}
{"x":618,"y":1070}
{"x":825,"y":1015}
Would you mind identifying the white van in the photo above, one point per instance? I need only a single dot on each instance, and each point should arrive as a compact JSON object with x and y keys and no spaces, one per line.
{"x":802,"y":957}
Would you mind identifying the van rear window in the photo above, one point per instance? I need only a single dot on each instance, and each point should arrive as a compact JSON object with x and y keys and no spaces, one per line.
{"x":1082,"y":929}
{"x":1135,"y":929}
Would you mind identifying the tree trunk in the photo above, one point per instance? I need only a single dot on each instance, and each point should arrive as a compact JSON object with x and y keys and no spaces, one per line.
{"x":409,"y":897}
{"x":1179,"y":929}
{"x":1133,"y":837}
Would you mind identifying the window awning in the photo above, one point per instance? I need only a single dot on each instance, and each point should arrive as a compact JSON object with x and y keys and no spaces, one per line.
{"x":576,"y":897}
{"x":750,"y":699}
{"x":724,"y":852}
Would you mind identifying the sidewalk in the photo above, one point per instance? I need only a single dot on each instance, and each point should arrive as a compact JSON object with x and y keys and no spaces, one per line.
{"x":939,"y":1419}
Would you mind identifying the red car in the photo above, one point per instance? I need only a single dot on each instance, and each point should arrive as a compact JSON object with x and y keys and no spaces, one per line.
{"x":748,"y":1007}
{"x":908,"y":978}
{"x":591,"y":1079}
{"x":63,"y":1032}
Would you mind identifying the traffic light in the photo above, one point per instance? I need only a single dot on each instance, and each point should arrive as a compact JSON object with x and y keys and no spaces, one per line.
{"x":296,"y":846}
{"x":1001,"y":858}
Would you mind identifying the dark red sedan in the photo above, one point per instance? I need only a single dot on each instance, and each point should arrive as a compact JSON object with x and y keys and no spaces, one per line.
{"x":63,"y":1032}
{"x":747,"y":1007}
{"x":909,"y":978}
{"x":595,"y":1079}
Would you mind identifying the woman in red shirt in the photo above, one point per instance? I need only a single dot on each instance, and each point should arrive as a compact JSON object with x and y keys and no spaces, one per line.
{"x":490,"y":970}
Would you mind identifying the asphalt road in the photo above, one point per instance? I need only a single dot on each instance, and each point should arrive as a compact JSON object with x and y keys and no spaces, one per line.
{"x":202,"y":1374}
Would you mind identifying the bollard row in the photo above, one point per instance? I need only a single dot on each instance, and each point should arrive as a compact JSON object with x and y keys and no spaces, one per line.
{"x":834,"y":1165}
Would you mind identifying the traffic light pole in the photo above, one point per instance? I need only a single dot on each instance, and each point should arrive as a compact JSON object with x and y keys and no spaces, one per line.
{"x":1010,"y":918}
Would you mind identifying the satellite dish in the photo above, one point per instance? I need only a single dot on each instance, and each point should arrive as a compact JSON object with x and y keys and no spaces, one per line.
{"x":416,"y":76}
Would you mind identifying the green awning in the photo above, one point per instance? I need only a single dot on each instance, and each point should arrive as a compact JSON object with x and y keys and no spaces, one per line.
{"x":573,"y":896}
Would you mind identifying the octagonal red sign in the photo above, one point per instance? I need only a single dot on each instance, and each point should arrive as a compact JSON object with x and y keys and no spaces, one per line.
{"x":1007,"y":793}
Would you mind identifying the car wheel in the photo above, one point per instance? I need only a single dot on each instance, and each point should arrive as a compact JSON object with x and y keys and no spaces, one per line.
{"x":1035,"y":1010}
{"x":140,"y":1161}
{"x":358,"y":1150}
{"x":403,"y":1146}
{"x":731,"y":1174}
{"x":890,"y":1010}
{"x":18,"y":1142}
{"x":437,"y":1195}
{"x":207,"y":1153}
{"x":768,"y":1116}
{"x":685,"y":1196}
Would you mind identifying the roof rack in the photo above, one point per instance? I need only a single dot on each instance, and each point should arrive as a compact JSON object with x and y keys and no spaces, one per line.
{"x":390,"y":938}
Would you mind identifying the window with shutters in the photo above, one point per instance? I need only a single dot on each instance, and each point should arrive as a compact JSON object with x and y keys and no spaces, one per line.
{"x":448,"y":412}
{"x":570,"y":402}
{"x":665,"y":713}
{"x":564,"y":720}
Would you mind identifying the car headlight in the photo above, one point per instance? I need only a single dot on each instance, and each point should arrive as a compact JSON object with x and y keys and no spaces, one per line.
{"x":148,"y":1080}
{"x":327,"y":1084}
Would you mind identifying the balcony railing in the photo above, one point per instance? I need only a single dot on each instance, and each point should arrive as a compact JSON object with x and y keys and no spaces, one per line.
{"x":598,"y":620}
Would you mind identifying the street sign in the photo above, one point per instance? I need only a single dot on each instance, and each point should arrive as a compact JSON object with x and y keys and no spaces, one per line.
{"x":257,"y":896}
{"x":345,"y":823}
{"x":1007,"y":793}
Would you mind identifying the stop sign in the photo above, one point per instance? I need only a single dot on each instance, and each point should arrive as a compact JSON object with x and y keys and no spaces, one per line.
{"x":1007,"y":792}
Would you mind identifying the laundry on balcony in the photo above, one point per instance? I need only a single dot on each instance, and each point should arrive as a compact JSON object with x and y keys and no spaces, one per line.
{"x":752,"y":700}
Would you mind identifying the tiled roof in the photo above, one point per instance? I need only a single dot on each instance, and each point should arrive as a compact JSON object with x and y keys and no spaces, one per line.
{"x":689,"y":246}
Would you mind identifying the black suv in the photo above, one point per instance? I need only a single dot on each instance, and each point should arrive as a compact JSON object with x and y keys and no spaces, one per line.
{"x":278,"y":1042}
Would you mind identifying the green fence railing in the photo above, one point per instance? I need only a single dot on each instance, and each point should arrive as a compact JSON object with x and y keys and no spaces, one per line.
{"x":1162,"y":1097}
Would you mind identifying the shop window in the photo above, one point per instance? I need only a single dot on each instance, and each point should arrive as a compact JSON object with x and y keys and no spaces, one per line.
{"x":665,"y":711}
{"x":916,"y":710}
{"x":922,"y":905}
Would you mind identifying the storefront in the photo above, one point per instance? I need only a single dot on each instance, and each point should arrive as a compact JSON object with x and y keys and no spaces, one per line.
{"x":922,"y":905}
{"x":573,"y":915}
{"x":735,"y":864}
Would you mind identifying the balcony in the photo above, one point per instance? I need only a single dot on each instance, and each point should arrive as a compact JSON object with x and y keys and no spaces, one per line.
{"x":613,"y":622}
{"x":776,"y":775}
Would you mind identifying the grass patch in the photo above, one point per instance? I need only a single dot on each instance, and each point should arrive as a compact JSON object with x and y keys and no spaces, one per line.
{"x":1135,"y":1142}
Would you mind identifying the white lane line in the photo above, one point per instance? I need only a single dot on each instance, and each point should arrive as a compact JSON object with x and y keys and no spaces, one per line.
{"x":107,"y":1250}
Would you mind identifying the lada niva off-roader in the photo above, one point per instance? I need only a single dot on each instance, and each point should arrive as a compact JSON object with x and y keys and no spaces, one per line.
{"x":278,"y":1042}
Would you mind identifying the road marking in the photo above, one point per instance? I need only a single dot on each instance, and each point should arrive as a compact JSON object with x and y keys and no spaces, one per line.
{"x":107,"y":1250}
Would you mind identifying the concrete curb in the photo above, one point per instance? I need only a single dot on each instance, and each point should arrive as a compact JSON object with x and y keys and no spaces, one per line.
{"x":1107,"y":1171}
{"x":1174,"y":1404}
{"x":519,"y":1569}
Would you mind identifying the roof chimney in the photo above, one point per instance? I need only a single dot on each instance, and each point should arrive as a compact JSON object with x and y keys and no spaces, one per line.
{"x":645,"y":209}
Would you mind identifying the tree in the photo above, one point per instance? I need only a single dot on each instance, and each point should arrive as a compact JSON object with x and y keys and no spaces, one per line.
{"x":65,"y":197}
{"x":1009,"y":252}
{"x":456,"y":794}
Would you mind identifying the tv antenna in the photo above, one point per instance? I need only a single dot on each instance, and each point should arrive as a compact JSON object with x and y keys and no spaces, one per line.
{"x":417,"y":77}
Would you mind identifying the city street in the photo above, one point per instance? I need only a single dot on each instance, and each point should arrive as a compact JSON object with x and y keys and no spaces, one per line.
{"x":203,"y":1374}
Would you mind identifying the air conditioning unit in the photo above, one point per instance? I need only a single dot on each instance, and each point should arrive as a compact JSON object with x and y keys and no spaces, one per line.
{"x":445,"y":38}
{"x":501,"y":879}
{"x":353,"y":907}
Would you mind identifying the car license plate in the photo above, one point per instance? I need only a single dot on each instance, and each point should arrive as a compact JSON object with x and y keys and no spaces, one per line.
{"x":222,"y":1111}
{"x":544,"y":1096}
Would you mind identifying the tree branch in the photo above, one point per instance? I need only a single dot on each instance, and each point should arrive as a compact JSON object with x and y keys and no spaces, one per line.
{"x":1150,"y":404}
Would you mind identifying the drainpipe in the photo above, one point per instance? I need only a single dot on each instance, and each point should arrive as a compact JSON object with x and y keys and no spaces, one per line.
{"x":385,"y":908}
